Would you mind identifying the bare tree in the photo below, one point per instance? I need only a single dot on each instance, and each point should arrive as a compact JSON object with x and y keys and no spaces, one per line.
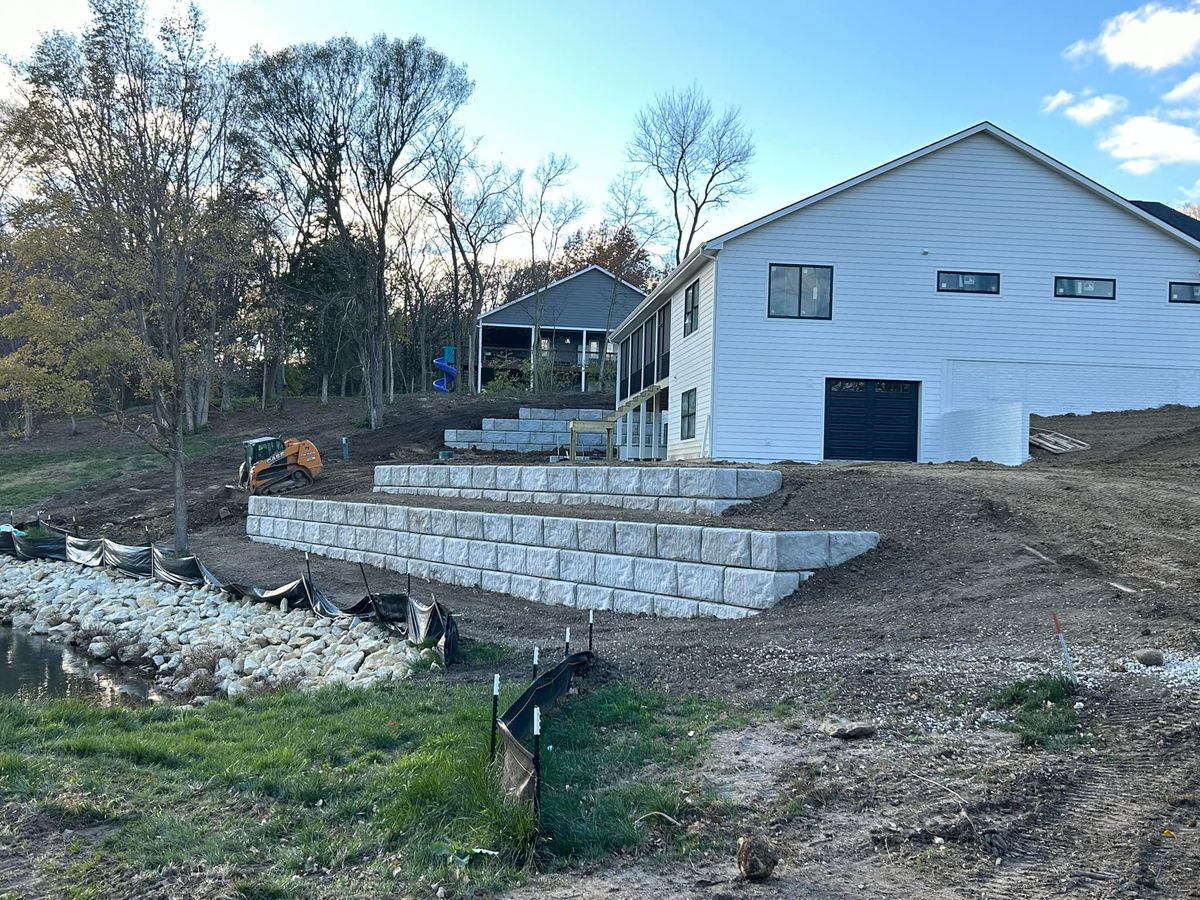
{"x":702,"y":157}
{"x":543,"y":215}
{"x":1190,"y":209}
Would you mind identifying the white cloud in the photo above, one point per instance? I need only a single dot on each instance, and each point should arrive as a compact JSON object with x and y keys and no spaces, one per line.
{"x":1092,"y":110}
{"x":1143,"y":143}
{"x":1053,"y":101}
{"x":1152,"y":37}
{"x":1188,"y":89}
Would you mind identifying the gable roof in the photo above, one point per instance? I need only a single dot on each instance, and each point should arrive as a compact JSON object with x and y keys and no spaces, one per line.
{"x":580,"y":300}
{"x":1180,"y":221}
{"x":1161,"y":217}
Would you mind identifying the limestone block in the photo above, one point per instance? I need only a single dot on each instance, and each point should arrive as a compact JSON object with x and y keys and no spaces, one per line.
{"x":591,"y":479}
{"x":483,"y":477}
{"x":501,"y":496}
{"x":633,"y":602}
{"x":700,"y":581}
{"x":655,"y":575}
{"x":470,"y":493}
{"x":528,"y":425}
{"x":558,"y":532}
{"x":524,"y":586}
{"x":757,"y":589}
{"x":482,"y":555}
{"x":398,"y":564}
{"x":285,"y":508}
{"x":659,"y":481}
{"x":409,"y":545}
{"x":431,"y":547}
{"x":676,"y":607}
{"x":716,"y":507}
{"x":723,"y":611}
{"x":757,"y":482}
{"x":443,"y":522}
{"x":418,"y":476}
{"x":469,"y":524}
{"x":456,"y":551}
{"x":789,"y":550}
{"x":439,"y":476}
{"x":508,"y":425}
{"x":511,"y":558}
{"x":557,"y":593}
{"x":548,"y":498}
{"x":844,"y":545}
{"x":708,"y":481}
{"x":458,"y":476}
{"x":520,"y":497}
{"x":590,"y":596}
{"x":682,"y":505}
{"x":395,"y":517}
{"x":541,"y":561}
{"x":725,"y":546}
{"x":253,"y":526}
{"x":591,"y":415}
{"x":574,"y":499}
{"x":508,"y":478}
{"x":639,"y":502}
{"x":614,"y":571}
{"x":497,"y":582}
{"x":375,"y":516}
{"x":374,"y":560}
{"x":534,"y":478}
{"x":595,"y":535}
{"x":636,"y":538}
{"x":577,"y":566}
{"x":497,"y":527}
{"x":420,"y":519}
{"x":624,"y":480}
{"x":561,"y":478}
{"x":527,"y":530}
{"x":469,"y":436}
{"x":295,"y":530}
{"x":257,"y":505}
{"x":356,"y":514}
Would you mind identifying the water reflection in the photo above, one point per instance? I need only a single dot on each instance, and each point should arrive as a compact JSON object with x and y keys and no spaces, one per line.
{"x":33,"y":668}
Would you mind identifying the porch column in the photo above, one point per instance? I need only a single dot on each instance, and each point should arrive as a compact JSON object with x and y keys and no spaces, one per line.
{"x":583,"y":365}
{"x":655,"y":430}
{"x":479,"y":359}
{"x":629,"y":435}
{"x":532,"y":354}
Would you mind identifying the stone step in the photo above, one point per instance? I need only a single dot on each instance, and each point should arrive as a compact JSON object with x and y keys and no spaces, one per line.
{"x":675,"y":570}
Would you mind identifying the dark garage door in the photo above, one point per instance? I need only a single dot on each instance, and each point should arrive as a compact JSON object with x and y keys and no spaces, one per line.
{"x":867,"y":419}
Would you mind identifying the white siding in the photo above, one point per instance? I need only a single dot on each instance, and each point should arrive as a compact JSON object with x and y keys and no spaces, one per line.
{"x":977,"y":205}
{"x":691,"y":367}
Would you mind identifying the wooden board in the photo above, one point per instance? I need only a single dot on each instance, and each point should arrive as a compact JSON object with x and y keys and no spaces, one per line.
{"x":1056,"y":442}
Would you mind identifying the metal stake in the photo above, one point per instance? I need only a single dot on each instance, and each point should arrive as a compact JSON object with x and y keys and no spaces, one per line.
{"x":535,"y":663}
{"x":591,"y":620}
{"x":567,"y":645}
{"x":363,"y":571}
{"x":495,"y":713}
{"x":537,"y":762}
{"x":1062,"y":644}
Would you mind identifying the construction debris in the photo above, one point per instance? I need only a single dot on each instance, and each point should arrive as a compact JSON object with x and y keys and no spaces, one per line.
{"x":1056,"y":442}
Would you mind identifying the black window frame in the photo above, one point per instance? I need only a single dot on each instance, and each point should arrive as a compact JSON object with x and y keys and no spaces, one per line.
{"x":664,"y":340}
{"x":942,"y":290}
{"x":687,"y":418}
{"x":800,"y":291}
{"x":623,"y":366}
{"x":691,"y":308}
{"x":1058,"y":296}
{"x":1171,"y":291}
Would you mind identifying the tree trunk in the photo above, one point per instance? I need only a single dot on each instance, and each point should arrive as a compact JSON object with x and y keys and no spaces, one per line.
{"x":265,"y":383}
{"x":226,"y":397}
{"x":203,"y":400}
{"x":325,"y":388}
{"x":189,"y":406}
{"x":345,"y":378}
{"x":178,"y":471}
{"x":28,"y":421}
{"x":74,"y":426}
{"x":391,"y":371}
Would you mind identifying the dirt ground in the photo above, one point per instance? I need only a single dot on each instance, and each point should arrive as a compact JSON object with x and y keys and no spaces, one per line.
{"x":913,"y":637}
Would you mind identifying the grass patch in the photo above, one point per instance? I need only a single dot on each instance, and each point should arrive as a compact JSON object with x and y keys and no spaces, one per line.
{"x":1043,"y":717}
{"x":386,"y":790}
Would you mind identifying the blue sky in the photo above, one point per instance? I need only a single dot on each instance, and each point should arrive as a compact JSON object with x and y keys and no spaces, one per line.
{"x":828,"y":88}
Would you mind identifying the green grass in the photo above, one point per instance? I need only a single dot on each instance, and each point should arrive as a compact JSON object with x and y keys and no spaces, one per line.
{"x":1044,"y":716}
{"x":343,"y":792}
{"x":26,"y":478}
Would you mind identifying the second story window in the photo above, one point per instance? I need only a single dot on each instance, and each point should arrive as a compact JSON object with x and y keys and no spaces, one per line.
{"x":1184,"y":292}
{"x":1085,"y":288}
{"x":691,"y":308}
{"x":968,"y":283}
{"x":800,"y":292}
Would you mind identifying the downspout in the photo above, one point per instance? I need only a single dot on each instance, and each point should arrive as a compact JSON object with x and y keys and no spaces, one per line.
{"x":712,"y":369}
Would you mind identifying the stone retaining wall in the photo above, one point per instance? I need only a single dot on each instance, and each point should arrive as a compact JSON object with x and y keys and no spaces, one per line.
{"x":533,"y":429}
{"x":633,"y":567}
{"x":704,"y":490}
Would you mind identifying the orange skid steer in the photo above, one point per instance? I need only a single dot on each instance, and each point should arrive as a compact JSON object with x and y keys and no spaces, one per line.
{"x":274,"y":466}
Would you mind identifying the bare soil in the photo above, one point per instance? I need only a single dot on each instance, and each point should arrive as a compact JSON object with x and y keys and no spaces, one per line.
{"x":942,"y":801}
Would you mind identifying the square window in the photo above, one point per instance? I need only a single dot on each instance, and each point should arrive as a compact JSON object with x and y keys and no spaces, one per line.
{"x":1184,"y":292}
{"x":968,"y":282}
{"x":687,"y":415}
{"x":1086,"y":288}
{"x":800,"y":292}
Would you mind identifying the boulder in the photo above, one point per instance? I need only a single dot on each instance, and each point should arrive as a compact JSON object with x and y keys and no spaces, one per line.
{"x":846,"y":730}
{"x":1149,"y":657}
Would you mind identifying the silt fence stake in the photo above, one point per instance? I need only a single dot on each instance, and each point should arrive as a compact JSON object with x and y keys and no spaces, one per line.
{"x":1062,"y":643}
{"x":537,"y":762}
{"x":535,"y":663}
{"x":591,"y":621}
{"x":567,"y":644}
{"x":495,"y":713}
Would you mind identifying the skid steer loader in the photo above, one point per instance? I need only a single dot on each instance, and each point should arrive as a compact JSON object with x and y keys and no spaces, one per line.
{"x":274,"y":466}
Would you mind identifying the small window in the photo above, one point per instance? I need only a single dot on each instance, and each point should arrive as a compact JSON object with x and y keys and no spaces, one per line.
{"x":687,"y":415}
{"x":1185,"y":292}
{"x":691,"y":308}
{"x":1087,"y":288}
{"x":841,"y":385}
{"x":893,"y":387}
{"x":968,"y":282}
{"x":800,"y":292}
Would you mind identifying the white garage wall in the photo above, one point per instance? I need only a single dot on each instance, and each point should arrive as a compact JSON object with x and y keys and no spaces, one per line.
{"x":995,"y":433}
{"x":977,"y":205}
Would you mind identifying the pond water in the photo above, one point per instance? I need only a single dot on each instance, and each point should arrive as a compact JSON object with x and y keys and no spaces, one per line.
{"x":33,"y":668}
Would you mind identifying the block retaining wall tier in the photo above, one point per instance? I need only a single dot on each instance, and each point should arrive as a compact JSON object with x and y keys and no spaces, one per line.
{"x":703,"y":490}
{"x":631,"y":567}
{"x":533,"y":429}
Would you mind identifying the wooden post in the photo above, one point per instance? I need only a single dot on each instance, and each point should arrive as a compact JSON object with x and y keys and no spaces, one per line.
{"x":495,"y":713}
{"x":537,"y":762}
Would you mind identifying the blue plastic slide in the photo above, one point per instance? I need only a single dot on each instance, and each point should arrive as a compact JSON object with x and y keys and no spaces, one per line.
{"x":450,"y":373}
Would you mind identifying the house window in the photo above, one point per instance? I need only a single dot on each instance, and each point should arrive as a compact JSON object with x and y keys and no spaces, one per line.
{"x":968,"y":283}
{"x":1088,"y":288}
{"x":691,"y":308}
{"x":664,"y":341}
{"x":623,"y":363}
{"x":687,"y":415}
{"x":1185,"y":292}
{"x":800,"y":292}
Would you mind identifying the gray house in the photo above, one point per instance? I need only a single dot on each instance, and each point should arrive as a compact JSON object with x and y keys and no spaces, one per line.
{"x":563,"y":329}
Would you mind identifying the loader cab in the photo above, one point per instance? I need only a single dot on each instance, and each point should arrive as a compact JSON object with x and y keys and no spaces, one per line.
{"x":259,"y":449}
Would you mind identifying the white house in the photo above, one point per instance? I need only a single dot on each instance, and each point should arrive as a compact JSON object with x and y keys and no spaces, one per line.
{"x":920,"y":311}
